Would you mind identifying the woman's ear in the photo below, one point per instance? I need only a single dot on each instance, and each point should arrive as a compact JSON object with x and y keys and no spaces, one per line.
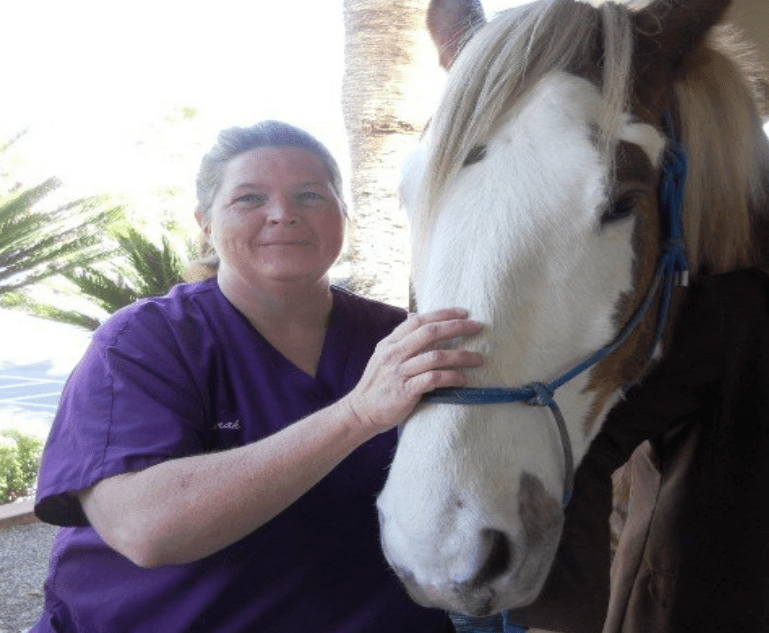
{"x":203,"y":222}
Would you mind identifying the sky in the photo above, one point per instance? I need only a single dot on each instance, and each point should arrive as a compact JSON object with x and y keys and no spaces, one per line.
{"x":97,"y":82}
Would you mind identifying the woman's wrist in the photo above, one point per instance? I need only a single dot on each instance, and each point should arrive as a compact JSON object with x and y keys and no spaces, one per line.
{"x":361,"y":423}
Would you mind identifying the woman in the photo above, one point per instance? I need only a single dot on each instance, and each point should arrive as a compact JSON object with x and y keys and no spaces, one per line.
{"x":217,"y":452}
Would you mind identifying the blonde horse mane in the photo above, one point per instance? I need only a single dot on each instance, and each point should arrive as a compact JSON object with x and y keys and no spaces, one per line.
{"x":715,"y":102}
{"x":721,"y":131}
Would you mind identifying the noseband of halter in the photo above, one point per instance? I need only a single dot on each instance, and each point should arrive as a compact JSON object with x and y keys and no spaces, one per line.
{"x":672,"y":270}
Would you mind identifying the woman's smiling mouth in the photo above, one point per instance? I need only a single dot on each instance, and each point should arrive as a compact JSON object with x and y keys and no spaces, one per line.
{"x":286,"y":243}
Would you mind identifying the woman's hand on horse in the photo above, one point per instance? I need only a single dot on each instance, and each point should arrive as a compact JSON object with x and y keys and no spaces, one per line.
{"x":408,"y":364}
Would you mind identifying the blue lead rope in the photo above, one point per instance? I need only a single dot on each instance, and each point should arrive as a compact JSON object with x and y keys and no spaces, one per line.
{"x":672,"y":270}
{"x":672,"y":200}
{"x":674,"y":174}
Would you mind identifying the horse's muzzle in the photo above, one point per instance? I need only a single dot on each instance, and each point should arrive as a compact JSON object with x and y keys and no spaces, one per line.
{"x":481,"y":572}
{"x":476,"y":596}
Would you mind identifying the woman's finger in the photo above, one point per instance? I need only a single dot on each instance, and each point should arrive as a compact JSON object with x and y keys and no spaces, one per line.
{"x":439,"y":359}
{"x":436,"y":379}
{"x":416,"y":321}
{"x":409,"y":363}
{"x":430,"y":332}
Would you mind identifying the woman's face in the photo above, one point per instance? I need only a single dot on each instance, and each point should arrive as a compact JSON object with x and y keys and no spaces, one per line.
{"x":276,"y":218}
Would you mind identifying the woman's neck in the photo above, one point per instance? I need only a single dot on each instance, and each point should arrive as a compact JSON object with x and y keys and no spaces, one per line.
{"x":293,"y":317}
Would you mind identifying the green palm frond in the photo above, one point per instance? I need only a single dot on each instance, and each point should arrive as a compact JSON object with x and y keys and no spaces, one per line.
{"x":101,"y":289}
{"x":36,"y":243}
{"x":89,"y":243}
{"x":20,"y":301}
{"x":154,"y":270}
{"x":139,"y":269}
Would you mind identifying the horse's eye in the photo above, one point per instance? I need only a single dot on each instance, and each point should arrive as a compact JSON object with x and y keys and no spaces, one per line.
{"x":622,"y":208}
{"x":476,"y":155}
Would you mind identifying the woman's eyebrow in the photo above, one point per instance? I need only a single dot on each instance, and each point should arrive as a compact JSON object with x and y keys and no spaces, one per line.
{"x":248,"y":185}
{"x":317,"y":183}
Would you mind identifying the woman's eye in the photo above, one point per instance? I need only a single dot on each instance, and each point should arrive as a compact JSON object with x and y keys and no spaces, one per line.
{"x":309,"y":196}
{"x":250,"y":199}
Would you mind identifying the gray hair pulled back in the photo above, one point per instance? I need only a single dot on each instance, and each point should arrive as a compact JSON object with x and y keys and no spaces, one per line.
{"x":231,"y":143}
{"x":237,"y":140}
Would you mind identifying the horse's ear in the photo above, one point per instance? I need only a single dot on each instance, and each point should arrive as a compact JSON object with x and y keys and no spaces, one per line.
{"x":451,"y":23}
{"x":667,"y":31}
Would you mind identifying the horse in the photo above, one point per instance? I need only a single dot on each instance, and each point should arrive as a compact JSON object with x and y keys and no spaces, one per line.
{"x":582,"y":161}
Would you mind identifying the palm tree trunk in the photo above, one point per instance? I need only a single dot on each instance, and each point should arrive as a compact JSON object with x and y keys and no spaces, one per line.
{"x":391,"y":77}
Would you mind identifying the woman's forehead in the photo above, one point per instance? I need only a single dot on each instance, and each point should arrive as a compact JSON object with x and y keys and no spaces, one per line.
{"x":273,"y":165}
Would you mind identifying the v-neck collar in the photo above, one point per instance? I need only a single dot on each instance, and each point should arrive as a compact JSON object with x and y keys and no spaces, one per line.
{"x":334,"y":354}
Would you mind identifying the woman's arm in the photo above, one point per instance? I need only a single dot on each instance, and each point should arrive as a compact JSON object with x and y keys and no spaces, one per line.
{"x":187,"y":508}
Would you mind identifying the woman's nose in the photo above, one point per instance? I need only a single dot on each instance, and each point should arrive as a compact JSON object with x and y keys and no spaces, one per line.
{"x":283,"y":212}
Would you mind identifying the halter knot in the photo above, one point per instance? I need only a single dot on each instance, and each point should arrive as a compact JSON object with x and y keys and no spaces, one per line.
{"x":673,"y":245}
{"x":675,"y":261}
{"x":543,"y":396}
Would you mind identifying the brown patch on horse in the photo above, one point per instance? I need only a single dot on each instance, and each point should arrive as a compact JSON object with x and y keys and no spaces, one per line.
{"x":666,"y":33}
{"x":726,"y":198}
{"x":709,"y":79}
{"x":540,"y":512}
{"x":710,"y":84}
{"x":542,"y":517}
{"x":634,"y":179}
{"x":635,"y":182}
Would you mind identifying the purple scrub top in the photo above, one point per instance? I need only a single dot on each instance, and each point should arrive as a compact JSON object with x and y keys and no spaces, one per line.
{"x":186,"y":374}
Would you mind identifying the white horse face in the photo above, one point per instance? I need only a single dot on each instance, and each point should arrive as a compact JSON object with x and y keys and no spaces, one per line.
{"x":472,"y":510}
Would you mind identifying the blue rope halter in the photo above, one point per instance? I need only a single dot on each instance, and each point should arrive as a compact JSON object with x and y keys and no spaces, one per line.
{"x":672,"y":270}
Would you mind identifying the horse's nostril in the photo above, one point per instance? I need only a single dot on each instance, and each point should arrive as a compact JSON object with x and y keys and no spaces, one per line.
{"x":499,"y":556}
